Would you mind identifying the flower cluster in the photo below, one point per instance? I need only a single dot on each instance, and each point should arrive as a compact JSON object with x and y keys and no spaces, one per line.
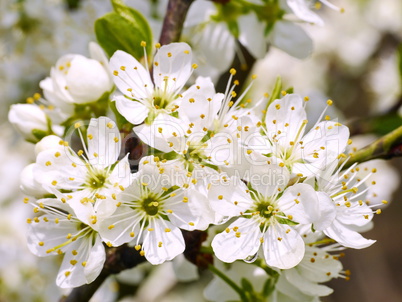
{"x":272,"y":182}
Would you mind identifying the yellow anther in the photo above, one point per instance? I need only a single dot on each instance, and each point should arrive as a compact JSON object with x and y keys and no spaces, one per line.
{"x":109,"y":125}
{"x":123,"y":68}
{"x":143,"y":44}
{"x":232,"y":71}
{"x":77,"y":125}
{"x":167,"y":230}
{"x":330,"y":102}
{"x":30,"y":100}
{"x":195,"y":66}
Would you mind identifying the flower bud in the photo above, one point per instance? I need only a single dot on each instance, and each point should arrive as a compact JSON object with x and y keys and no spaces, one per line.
{"x":29,"y":185}
{"x":78,"y":80}
{"x":29,"y":120}
{"x":49,"y":142}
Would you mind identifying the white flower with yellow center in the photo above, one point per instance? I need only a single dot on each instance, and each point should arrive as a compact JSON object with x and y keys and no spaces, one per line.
{"x":150,"y":213}
{"x":145,"y":97}
{"x":59,"y":231}
{"x":267,"y":216}
{"x":347,"y":192}
{"x":89,"y":175}
{"x":285,"y":142}
{"x":210,"y":127}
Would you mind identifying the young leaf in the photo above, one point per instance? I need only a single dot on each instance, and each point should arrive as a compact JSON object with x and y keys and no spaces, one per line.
{"x":124,"y":29}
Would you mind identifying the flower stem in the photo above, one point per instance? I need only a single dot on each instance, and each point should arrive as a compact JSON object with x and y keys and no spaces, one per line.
{"x":174,"y":19}
{"x":388,"y":146}
{"x":229,"y":282}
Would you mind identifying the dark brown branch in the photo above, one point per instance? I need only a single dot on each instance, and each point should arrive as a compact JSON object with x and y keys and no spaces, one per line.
{"x":174,"y":19}
{"x":243,"y":67}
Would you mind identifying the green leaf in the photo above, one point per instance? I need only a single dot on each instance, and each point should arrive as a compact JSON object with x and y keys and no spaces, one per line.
{"x":124,"y":29}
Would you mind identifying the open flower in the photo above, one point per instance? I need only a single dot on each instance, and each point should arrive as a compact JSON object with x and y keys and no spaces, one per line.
{"x":267,"y":216}
{"x":287,"y":145}
{"x":145,"y":97}
{"x":59,"y":231}
{"x":82,"y":178}
{"x":150,"y":213}
{"x":347,"y":192}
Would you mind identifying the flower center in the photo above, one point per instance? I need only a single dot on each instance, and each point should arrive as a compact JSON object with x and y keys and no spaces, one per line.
{"x":96,"y":179}
{"x":264,"y":209}
{"x":150,"y":205}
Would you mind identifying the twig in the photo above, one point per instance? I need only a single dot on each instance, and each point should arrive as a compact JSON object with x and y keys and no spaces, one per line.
{"x":386,"y":147}
{"x":174,"y":19}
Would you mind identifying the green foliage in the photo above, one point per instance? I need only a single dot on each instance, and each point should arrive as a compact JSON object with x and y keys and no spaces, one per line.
{"x":123,"y":29}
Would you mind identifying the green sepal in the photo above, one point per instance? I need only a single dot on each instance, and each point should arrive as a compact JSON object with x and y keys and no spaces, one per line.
{"x":39,"y":134}
{"x":246,"y":285}
{"x":286,"y":221}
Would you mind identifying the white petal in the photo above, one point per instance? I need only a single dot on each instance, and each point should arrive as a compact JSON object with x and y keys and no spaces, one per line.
{"x":305,"y":286}
{"x":230,"y":197}
{"x":286,"y":115}
{"x":93,"y":253}
{"x":172,"y":67}
{"x":324,"y":267}
{"x":54,"y":168}
{"x":104,"y":146}
{"x":327,"y":212}
{"x":324,"y":143}
{"x":347,"y":237}
{"x":133,"y":111}
{"x":132,"y":79}
{"x":228,"y":247}
{"x":122,"y":227}
{"x":184,"y":269}
{"x":292,"y":39}
{"x":218,"y":35}
{"x":267,"y":179}
{"x":251,"y":35}
{"x":50,"y":233}
{"x":29,"y":185}
{"x":196,"y":108}
{"x":301,"y":10}
{"x":172,"y":242}
{"x":87,"y":80}
{"x":301,"y":201}
{"x":96,"y":259}
{"x":49,"y":142}
{"x":152,"y":136}
{"x":283,"y":246}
